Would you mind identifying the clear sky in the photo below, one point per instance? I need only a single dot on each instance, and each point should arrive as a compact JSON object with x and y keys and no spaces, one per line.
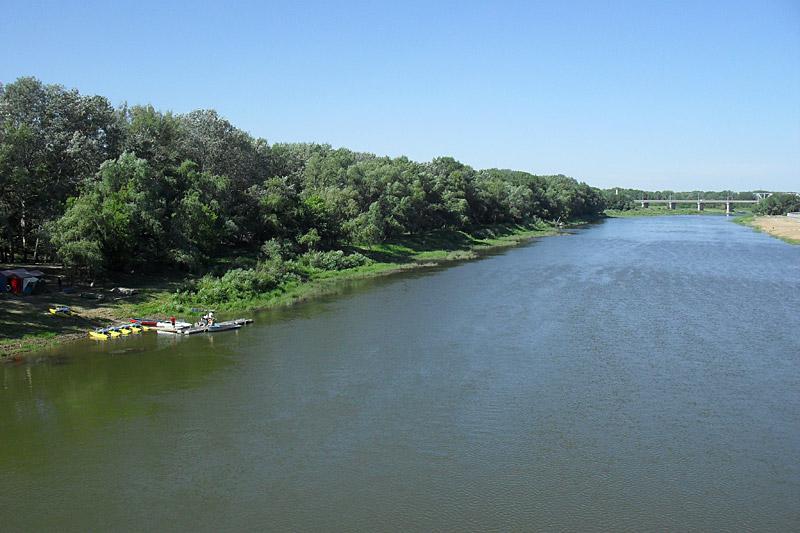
{"x":680,"y":95}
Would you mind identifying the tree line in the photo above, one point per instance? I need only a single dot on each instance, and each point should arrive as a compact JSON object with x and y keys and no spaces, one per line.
{"x":625,"y":199}
{"x":104,"y":188}
{"x":777,"y":204}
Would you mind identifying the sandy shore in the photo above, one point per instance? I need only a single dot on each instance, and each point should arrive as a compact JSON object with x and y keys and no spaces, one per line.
{"x":780,"y":226}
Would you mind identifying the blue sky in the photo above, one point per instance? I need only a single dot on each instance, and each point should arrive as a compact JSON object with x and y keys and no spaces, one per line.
{"x":681,"y":95}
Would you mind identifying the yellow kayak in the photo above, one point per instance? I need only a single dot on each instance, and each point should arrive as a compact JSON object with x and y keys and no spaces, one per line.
{"x":114,"y":333}
{"x":125,"y":331}
{"x":135,"y":329}
{"x":98,"y":335}
{"x":64,"y":311}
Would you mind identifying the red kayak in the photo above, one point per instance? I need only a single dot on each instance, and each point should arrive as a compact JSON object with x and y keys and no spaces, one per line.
{"x":144,"y":321}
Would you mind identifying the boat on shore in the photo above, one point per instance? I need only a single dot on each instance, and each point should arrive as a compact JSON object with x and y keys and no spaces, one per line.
{"x":144,"y":321}
{"x":116,"y":331}
{"x":220,"y":326}
{"x":193,"y":329}
{"x":61,"y":310}
{"x":179,"y":327}
{"x":153,"y":323}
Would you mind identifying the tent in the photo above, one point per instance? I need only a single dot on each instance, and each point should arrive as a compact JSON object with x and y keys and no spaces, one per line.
{"x":28,"y":285}
{"x":20,"y":280}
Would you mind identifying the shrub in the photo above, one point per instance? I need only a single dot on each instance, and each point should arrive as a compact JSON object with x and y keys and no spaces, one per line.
{"x":275,"y":249}
{"x":333,"y":260}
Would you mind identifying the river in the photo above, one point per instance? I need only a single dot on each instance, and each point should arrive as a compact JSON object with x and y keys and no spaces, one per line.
{"x":637,"y":374}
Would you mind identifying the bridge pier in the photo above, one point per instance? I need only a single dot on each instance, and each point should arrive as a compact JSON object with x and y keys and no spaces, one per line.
{"x":671,"y":205}
{"x":728,"y":208}
{"x":645,"y":204}
{"x":700,"y":205}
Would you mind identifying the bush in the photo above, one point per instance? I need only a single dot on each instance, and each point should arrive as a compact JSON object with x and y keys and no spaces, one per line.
{"x":239,"y":284}
{"x":333,"y":260}
{"x":236,"y":284}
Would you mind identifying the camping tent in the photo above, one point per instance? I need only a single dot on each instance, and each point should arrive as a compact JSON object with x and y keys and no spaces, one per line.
{"x":28,"y":285}
{"x":20,"y":280}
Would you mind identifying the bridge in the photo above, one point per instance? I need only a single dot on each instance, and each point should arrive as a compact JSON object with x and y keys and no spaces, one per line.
{"x":701,"y":203}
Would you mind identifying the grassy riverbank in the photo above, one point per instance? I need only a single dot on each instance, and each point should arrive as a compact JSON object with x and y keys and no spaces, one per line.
{"x":781,"y":227}
{"x":402,"y":254}
{"x":26,"y":325}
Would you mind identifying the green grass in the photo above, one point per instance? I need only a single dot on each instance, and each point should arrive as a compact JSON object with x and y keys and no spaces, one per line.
{"x":28,"y":342}
{"x":408,"y":252}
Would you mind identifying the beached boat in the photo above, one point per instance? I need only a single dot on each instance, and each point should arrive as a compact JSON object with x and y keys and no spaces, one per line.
{"x":179,"y":324}
{"x":116,"y":331}
{"x":99,"y":334}
{"x":144,"y":321}
{"x":221,"y":326}
{"x":62,"y":310}
{"x":193,"y":329}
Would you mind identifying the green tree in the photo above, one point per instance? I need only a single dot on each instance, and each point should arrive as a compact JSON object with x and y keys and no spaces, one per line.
{"x":778,"y":204}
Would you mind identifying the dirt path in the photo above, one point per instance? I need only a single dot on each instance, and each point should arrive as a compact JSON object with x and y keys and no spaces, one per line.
{"x":779,"y":226}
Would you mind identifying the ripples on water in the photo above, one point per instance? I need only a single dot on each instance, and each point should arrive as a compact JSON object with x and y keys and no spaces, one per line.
{"x":639,"y":374}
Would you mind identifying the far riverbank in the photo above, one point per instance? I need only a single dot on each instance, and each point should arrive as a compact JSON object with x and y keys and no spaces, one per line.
{"x":784,"y":228}
{"x":657,"y":211}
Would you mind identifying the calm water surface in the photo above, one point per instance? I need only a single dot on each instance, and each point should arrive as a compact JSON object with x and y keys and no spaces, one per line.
{"x":640,"y":374}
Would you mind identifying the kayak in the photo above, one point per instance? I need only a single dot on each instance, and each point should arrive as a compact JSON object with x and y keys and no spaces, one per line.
{"x":61,"y":310}
{"x":99,"y":334}
{"x":144,"y":321}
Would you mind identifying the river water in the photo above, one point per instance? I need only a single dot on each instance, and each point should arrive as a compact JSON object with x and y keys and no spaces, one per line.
{"x":638,"y":374}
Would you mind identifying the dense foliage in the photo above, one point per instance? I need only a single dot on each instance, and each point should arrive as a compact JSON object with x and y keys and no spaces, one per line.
{"x":778,"y":204}
{"x":111,"y":189}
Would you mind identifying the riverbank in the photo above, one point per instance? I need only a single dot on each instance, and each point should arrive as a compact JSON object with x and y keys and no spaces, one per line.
{"x":782,"y":227}
{"x":26,"y":325}
{"x":656,"y":211}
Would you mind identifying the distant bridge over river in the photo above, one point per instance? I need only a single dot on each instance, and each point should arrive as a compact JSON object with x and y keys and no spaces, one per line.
{"x":701,"y":203}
